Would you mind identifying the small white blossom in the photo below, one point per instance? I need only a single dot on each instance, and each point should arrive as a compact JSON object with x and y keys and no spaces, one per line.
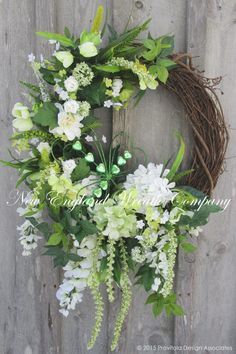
{"x":140,"y":224}
{"x":89,"y":138}
{"x":31,"y":57}
{"x":104,"y":139}
{"x":108,"y":103}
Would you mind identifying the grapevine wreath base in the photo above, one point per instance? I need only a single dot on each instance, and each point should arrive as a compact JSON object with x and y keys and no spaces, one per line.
{"x":108,"y":222}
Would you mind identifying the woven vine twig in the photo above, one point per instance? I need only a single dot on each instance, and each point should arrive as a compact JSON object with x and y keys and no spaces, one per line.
{"x":205,"y":115}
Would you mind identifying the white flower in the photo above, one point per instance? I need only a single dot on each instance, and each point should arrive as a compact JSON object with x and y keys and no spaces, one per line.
{"x":140,"y":224}
{"x":28,"y":237}
{"x":65,"y":57}
{"x":108,"y":103}
{"x":41,"y":58}
{"x":71,"y":106}
{"x":63,"y":95}
{"x":152,"y":185}
{"x":165,"y":217}
{"x":23,"y":121}
{"x":57,"y":47}
{"x":43,"y":146}
{"x":116,"y":87}
{"x":195,"y":231}
{"x":104,"y":139}
{"x":68,"y":124}
{"x":52,"y":41}
{"x":71,"y":84}
{"x":88,"y":49}
{"x":68,"y":167}
{"x":89,"y":138}
{"x":31,"y":57}
{"x":157,"y":283}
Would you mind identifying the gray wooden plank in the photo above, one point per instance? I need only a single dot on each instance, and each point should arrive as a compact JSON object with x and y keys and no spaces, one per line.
{"x":76,"y":329}
{"x":206,"y":280}
{"x":29,"y":319}
{"x":151,"y":126}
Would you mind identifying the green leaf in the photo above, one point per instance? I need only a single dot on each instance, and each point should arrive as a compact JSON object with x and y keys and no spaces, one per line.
{"x":65,"y":41}
{"x":162,"y":73}
{"x":188,"y":247}
{"x":178,"y":159}
{"x":200,"y":217}
{"x":30,"y":86}
{"x":81,"y":171}
{"x":90,"y":123}
{"x":177,"y":310}
{"x":125,"y":38}
{"x":168,"y":40}
{"x":157,"y":308}
{"x":46,"y":115}
{"x":97,"y":22}
{"x":67,"y":32}
{"x":86,"y":228}
{"x":54,"y":239}
{"x":108,"y":68}
{"x":149,"y":43}
{"x":151,"y":298}
{"x":167,"y":63}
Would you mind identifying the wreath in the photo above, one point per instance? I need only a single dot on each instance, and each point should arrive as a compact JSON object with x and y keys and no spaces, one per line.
{"x":106,"y":221}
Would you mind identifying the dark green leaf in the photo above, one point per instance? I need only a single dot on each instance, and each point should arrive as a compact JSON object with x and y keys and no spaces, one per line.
{"x":81,"y":171}
{"x":46,"y":115}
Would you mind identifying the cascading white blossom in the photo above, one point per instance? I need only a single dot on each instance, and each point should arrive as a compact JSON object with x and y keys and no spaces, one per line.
{"x":70,"y":292}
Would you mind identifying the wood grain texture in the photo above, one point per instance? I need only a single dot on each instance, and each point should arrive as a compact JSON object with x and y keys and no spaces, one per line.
{"x":27,"y":293}
{"x":151,"y":126}
{"x":205,"y":281}
{"x":206,"y":286}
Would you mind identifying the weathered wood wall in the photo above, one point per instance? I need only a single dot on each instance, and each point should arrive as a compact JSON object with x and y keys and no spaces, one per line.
{"x":206,"y":285}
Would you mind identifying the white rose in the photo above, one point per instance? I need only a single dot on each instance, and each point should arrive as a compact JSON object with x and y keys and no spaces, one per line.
{"x":68,"y":167}
{"x":66,"y":58}
{"x":68,"y":124}
{"x":23,"y":121}
{"x":88,"y":49}
{"x":71,"y":106}
{"x":71,"y":84}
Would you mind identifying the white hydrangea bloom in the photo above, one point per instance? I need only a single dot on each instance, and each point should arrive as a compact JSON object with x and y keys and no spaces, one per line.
{"x":152,"y":185}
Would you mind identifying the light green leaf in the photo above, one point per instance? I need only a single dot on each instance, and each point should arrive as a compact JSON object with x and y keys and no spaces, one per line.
{"x":97,"y":22}
{"x":108,"y":68}
{"x":188,"y":247}
{"x":178,"y":159}
{"x":54,"y":239}
{"x":66,"y":42}
{"x":162,"y":73}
